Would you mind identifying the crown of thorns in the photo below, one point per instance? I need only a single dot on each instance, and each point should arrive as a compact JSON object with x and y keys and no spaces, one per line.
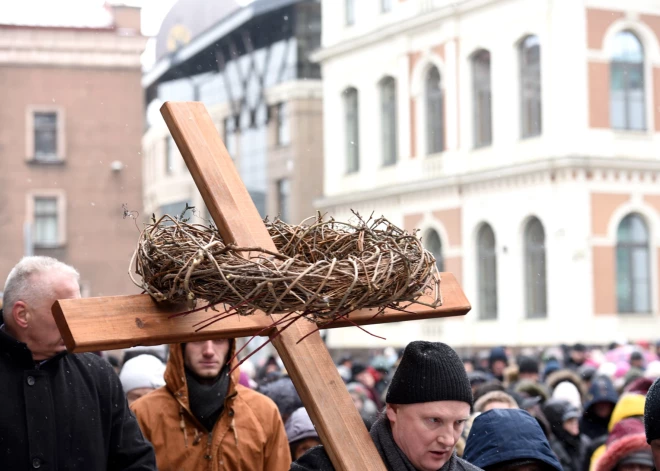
{"x":324,"y":269}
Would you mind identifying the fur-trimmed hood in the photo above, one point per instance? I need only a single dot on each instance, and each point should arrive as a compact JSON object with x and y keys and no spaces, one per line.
{"x":621,"y":448}
{"x":566,"y":375}
{"x":532,"y":389}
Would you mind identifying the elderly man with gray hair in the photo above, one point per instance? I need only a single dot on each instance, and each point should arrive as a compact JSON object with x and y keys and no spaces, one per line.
{"x":60,"y":411}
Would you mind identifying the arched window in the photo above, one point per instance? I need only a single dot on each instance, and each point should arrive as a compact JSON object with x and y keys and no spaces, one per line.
{"x":481,"y":99}
{"x":487,"y":272}
{"x":433,"y":244}
{"x":633,"y":278}
{"x":434,"y":112}
{"x":535,"y":270}
{"x":530,"y":86}
{"x":352,"y":136}
{"x":627,"y":104}
{"x":388,"y":120}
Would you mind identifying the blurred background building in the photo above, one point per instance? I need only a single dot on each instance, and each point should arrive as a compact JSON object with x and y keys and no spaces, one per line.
{"x":523,"y":139}
{"x":250,"y":66}
{"x":70,"y":130}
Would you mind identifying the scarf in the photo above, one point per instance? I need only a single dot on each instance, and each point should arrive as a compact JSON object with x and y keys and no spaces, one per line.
{"x":393,"y":456}
{"x":208,"y":400}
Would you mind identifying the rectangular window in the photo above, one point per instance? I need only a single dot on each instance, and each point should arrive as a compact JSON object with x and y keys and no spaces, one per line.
{"x":46,"y":222}
{"x":388,"y":120}
{"x":45,"y":136}
{"x":170,"y":155}
{"x":350,"y":12}
{"x":283,"y":125}
{"x":385,"y":5}
{"x":482,"y":99}
{"x":352,"y":143}
{"x":283,"y":195}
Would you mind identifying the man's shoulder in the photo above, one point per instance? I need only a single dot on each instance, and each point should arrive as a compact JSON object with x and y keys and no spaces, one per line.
{"x":316,"y":459}
{"x":461,"y":464}
{"x":157,"y":401}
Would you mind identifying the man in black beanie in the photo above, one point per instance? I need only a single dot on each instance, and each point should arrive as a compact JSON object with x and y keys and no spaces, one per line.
{"x":652,"y":421}
{"x":428,"y":403}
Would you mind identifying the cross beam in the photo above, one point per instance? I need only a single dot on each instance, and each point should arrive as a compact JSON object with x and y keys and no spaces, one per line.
{"x":115,"y":322}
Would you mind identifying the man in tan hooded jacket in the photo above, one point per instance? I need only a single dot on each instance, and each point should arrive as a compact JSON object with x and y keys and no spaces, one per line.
{"x":202,"y":419}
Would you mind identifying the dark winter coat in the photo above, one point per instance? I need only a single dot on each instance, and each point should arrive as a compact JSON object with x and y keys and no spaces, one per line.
{"x":66,"y":413}
{"x":601,"y":390}
{"x":570,"y":449}
{"x":502,"y":435}
{"x":317,"y":459}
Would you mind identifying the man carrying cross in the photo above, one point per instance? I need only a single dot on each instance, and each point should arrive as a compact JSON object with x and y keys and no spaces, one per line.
{"x":428,"y":404}
{"x":203,"y":419}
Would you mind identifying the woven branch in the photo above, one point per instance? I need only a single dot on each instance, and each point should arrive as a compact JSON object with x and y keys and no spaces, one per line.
{"x":324,"y":269}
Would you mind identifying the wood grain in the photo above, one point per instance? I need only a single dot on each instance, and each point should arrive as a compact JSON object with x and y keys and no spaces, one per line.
{"x":110,"y":323}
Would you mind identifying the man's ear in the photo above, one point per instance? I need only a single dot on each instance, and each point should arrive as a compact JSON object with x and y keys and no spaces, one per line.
{"x":391,"y":412}
{"x":20,"y":315}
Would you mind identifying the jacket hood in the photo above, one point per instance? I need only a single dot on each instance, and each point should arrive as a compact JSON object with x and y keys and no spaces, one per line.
{"x":601,"y":390}
{"x":502,"y":435}
{"x":300,"y":426}
{"x":175,"y":374}
{"x":558,"y":377}
{"x":630,"y":405}
{"x":624,"y":447}
{"x":532,"y":389}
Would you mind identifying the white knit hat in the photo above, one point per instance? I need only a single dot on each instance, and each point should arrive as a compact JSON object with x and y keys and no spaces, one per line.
{"x":143,"y":371}
{"x":568,"y":392}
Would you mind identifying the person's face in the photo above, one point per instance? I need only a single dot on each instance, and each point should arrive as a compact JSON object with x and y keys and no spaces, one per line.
{"x":603,"y":409}
{"x":469,"y":366}
{"x":578,"y":357}
{"x":357,"y":400}
{"x":655,"y":449}
{"x":366,"y":378}
{"x":427,"y":432}
{"x":637,"y":364}
{"x":135,"y":394}
{"x":305,"y":445}
{"x":498,"y":367}
{"x":529,"y":377}
{"x":206,"y":359}
{"x":41,"y":333}
{"x":634,"y":467}
{"x":497,"y":405}
{"x":572,"y":426}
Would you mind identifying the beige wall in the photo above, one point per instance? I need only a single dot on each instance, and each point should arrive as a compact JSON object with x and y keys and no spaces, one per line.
{"x":103,"y":122}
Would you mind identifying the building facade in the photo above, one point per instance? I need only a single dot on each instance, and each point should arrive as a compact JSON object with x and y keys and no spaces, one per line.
{"x":522,"y":138}
{"x":70,"y":130}
{"x":252,"y":70}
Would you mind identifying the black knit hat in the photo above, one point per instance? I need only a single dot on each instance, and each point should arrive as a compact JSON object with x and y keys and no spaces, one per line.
{"x":429,"y":372}
{"x":528,"y":365}
{"x":652,"y":412}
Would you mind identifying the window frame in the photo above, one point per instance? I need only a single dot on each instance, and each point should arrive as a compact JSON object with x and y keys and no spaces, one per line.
{"x":625,"y":67}
{"x":531,"y":90}
{"x":487,"y":286}
{"x":438,"y":98}
{"x":349,"y":12}
{"x":482,"y":85}
{"x":439,"y":256}
{"x":30,"y":138}
{"x":532,"y":290}
{"x":60,"y":196}
{"x":630,"y":247}
{"x":351,"y":133}
{"x":389,"y":118}
{"x":283,"y":124}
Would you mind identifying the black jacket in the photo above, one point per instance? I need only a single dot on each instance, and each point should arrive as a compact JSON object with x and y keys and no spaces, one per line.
{"x":66,"y":413}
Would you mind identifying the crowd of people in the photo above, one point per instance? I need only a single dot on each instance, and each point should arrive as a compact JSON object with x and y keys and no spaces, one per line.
{"x":191,"y":406}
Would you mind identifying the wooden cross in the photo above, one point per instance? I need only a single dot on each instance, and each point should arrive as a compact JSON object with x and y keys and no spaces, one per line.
{"x":108,"y":323}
